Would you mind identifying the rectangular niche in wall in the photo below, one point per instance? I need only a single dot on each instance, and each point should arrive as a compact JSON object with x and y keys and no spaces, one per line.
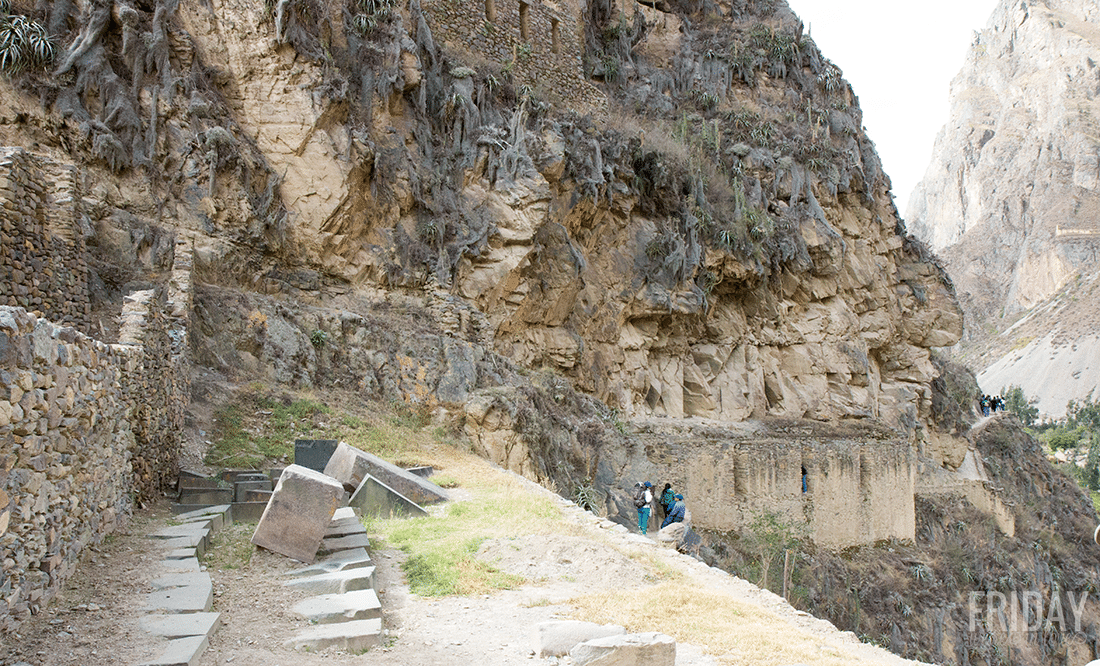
{"x":524,"y":28}
{"x":554,"y":37}
{"x":490,"y":11}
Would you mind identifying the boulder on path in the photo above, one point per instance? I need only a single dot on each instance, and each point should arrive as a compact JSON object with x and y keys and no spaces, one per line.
{"x":556,"y":639}
{"x":647,"y":649}
{"x":298,"y":513}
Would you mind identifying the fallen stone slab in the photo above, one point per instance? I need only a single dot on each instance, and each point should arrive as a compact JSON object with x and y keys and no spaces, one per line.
{"x":348,"y":636}
{"x":343,"y":513}
{"x":374,"y":498}
{"x":350,"y":466}
{"x":190,"y":599}
{"x":330,"y":608}
{"x":313,"y":453}
{"x":423,"y":471}
{"x":355,"y":558}
{"x":180,"y":625}
{"x":646,"y":649}
{"x":181,"y":652}
{"x":337,"y":582}
{"x":300,"y":509}
{"x":556,"y":639}
{"x":335,"y":544}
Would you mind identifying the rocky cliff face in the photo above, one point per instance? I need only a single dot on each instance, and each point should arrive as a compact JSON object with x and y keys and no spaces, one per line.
{"x":1011,"y":198}
{"x":721,"y":244}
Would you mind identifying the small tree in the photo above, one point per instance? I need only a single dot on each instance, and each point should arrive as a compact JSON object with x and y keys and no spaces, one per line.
{"x":1016,"y":401}
{"x":768,"y":536}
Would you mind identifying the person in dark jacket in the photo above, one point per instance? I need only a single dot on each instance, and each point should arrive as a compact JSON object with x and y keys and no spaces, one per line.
{"x":667,"y":499}
{"x":676,"y":515}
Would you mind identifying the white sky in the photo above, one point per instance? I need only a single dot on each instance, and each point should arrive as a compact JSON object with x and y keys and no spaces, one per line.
{"x":900,"y":57}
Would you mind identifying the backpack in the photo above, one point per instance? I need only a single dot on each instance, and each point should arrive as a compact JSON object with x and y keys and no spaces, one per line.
{"x":639,"y":495}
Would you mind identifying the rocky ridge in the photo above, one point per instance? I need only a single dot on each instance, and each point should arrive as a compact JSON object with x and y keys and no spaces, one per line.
{"x":1011,"y":196}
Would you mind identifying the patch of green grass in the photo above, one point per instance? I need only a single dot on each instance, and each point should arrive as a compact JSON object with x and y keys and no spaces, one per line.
{"x":1095,"y":500}
{"x":442,"y":547}
{"x":231,"y":547}
{"x":444,"y":481}
{"x":259,"y":429}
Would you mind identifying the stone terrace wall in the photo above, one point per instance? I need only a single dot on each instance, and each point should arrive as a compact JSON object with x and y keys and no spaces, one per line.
{"x":860,"y":488}
{"x":42,"y":256}
{"x":65,"y":477}
{"x":91,"y":426}
{"x":157,"y":384}
{"x":550,"y":55}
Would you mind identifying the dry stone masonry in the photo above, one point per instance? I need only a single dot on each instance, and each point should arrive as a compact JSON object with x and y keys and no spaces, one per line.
{"x":42,"y":260}
{"x":88,"y":427}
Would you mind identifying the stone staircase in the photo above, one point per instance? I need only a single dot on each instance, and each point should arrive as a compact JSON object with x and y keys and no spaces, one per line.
{"x":179,"y":607}
{"x":344,"y":608}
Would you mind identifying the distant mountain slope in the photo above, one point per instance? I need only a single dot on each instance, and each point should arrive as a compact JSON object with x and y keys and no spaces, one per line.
{"x":1011,"y":199}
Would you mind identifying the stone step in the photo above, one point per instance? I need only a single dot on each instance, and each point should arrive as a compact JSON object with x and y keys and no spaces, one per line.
{"x":181,"y":652}
{"x":199,"y":511}
{"x":185,"y":565}
{"x":351,"y":636}
{"x":187,"y":599}
{"x":356,"y":558}
{"x":343,"y":513}
{"x":337,"y":582}
{"x":206,"y":496}
{"x":195,"y":544}
{"x":336,"y":544}
{"x":331,"y":608}
{"x":181,"y":625}
{"x":344,"y":527}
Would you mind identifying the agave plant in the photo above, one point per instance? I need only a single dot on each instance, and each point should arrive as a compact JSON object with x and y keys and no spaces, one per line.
{"x":5,"y":6}
{"x":23,"y":42}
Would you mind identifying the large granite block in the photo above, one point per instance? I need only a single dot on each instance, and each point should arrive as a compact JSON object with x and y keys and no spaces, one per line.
{"x":350,"y":466}
{"x":313,"y":453}
{"x":374,"y":498}
{"x":298,"y":513}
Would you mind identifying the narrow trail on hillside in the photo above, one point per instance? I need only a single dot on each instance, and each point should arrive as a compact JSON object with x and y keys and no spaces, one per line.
{"x":495,"y":629}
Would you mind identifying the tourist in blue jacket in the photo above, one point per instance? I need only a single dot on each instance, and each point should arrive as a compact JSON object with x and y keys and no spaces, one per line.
{"x":676,"y":515}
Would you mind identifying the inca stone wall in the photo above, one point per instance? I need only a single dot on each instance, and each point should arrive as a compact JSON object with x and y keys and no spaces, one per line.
{"x":860,"y":484}
{"x":87,"y":427}
{"x":65,"y":480}
{"x":543,"y":44}
{"x":42,"y":259}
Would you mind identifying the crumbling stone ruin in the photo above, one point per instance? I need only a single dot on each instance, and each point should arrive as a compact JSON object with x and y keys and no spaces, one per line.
{"x":89,"y":427}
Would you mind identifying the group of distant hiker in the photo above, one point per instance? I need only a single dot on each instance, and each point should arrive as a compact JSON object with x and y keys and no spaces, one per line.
{"x":671,"y":503}
{"x":990,"y":404}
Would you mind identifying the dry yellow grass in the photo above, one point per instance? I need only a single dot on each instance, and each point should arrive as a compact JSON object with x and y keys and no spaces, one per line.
{"x":734,"y":631}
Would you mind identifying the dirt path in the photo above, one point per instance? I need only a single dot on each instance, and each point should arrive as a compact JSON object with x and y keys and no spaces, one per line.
{"x":94,"y":620}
